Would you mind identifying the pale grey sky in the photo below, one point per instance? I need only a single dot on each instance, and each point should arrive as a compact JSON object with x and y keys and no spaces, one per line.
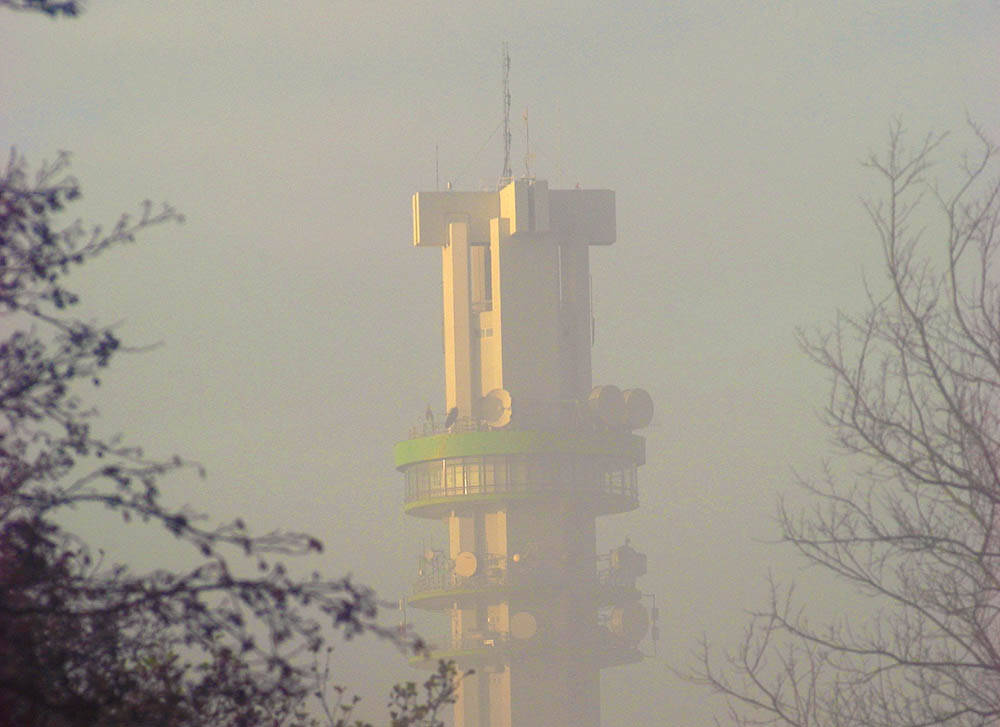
{"x":301,"y":331}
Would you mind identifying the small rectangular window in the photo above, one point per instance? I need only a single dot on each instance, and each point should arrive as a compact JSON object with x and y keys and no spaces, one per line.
{"x":473,"y":474}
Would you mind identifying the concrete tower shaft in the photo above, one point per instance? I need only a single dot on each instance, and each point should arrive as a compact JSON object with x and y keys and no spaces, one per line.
{"x":527,"y":459}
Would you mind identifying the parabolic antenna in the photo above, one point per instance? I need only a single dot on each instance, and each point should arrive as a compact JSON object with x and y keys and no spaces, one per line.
{"x":465,"y":564}
{"x":608,"y":404}
{"x":630,"y":622}
{"x":494,"y":408}
{"x":523,"y":625}
{"x":638,"y":408}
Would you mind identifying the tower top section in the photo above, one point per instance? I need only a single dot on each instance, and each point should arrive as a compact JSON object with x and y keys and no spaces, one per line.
{"x":576,"y":216}
{"x":517,"y":310}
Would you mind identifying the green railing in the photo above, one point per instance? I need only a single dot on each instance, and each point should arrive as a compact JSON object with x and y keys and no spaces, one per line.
{"x":623,"y":446}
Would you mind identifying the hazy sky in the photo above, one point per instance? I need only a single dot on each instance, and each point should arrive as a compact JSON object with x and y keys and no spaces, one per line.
{"x":301,"y":332}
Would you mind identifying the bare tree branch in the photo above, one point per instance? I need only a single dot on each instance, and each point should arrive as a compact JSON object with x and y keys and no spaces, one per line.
{"x":915,"y":411}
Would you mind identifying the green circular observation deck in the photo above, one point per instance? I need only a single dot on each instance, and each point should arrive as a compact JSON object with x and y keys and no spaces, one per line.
{"x":503,"y":466}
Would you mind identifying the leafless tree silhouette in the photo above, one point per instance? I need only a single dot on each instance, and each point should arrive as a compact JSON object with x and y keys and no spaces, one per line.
{"x":913,"y":528}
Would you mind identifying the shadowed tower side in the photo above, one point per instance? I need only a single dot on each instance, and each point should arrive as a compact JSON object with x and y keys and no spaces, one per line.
{"x":533,"y":454}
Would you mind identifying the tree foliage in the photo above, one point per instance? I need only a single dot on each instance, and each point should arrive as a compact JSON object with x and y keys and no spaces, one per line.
{"x":52,"y":8}
{"x":915,"y":404}
{"x":236,"y":640}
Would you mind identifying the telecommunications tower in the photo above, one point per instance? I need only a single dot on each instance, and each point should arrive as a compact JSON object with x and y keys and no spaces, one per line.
{"x":529,"y":456}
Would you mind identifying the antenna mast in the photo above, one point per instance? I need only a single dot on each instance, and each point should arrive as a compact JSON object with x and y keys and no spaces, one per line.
{"x":506,"y":176}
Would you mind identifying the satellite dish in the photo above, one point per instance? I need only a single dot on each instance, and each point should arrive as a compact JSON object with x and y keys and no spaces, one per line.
{"x":608,"y":404}
{"x":638,"y":408}
{"x":494,"y":408}
{"x":629,"y":622}
{"x":465,"y":564}
{"x":523,"y":625}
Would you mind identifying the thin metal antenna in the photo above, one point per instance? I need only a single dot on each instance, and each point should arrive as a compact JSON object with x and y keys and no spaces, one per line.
{"x":506,"y":114}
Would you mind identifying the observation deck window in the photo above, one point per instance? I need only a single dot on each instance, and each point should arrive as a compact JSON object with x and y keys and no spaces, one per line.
{"x":520,"y":473}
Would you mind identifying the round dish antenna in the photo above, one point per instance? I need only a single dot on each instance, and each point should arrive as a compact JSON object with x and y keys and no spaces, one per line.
{"x":608,"y":404}
{"x":638,"y":408}
{"x":465,"y":564}
{"x":495,"y":409}
{"x":629,"y":622}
